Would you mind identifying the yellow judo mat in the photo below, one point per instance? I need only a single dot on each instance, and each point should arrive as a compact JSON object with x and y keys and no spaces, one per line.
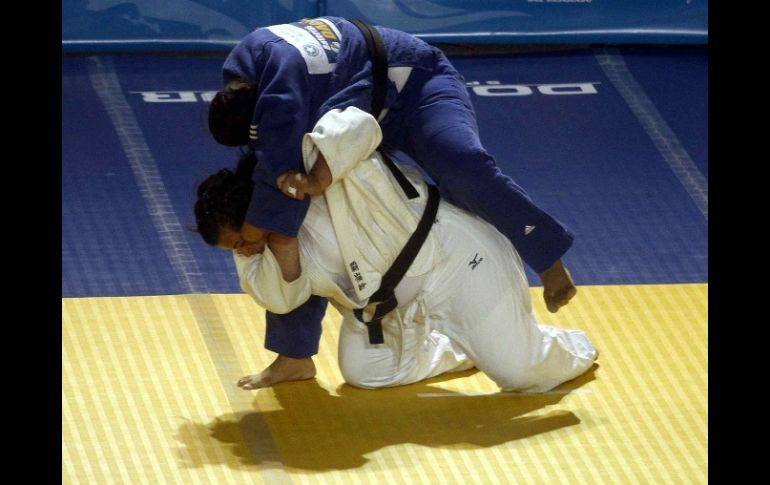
{"x":149,"y":396}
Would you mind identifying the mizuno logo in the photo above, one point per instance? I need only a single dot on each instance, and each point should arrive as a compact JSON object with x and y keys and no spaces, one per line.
{"x":528,"y":229}
{"x":475,"y":262}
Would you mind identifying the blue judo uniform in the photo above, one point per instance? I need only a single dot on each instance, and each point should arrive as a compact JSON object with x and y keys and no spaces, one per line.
{"x":304,"y":69}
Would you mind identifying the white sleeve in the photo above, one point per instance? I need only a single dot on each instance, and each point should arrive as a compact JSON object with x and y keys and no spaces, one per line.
{"x":344,"y":137}
{"x":260,"y":276}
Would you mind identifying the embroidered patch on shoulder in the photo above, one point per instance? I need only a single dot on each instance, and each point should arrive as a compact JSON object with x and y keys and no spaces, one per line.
{"x":317,"y":40}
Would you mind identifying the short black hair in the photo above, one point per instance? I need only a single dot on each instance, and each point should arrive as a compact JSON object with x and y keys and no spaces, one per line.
{"x":223,"y":199}
{"x":231,"y":111}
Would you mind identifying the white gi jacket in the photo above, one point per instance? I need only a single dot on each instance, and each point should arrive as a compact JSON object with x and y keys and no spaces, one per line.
{"x":464,"y":301}
{"x":371,"y":218}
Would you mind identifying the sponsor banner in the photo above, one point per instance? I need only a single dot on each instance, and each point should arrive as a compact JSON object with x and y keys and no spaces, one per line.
{"x":484,"y":89}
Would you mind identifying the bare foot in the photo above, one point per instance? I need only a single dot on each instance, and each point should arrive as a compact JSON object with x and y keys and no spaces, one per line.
{"x":283,"y":369}
{"x":558,"y":287}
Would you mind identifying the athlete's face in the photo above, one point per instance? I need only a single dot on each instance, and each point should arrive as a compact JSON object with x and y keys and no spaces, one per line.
{"x":230,"y":239}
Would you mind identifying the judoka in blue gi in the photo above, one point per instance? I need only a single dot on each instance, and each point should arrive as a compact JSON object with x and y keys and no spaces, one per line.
{"x":279,"y":80}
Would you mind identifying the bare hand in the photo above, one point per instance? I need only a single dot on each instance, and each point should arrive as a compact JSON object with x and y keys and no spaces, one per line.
{"x":250,"y":248}
{"x":558,"y":287}
{"x":297,"y":185}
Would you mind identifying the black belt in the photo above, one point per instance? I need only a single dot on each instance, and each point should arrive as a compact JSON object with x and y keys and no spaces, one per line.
{"x":385,"y":297}
{"x":379,"y":88}
{"x":379,"y":64}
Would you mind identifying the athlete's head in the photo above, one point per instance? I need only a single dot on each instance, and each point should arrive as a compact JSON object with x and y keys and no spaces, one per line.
{"x":230,"y":113}
{"x":223,"y":199}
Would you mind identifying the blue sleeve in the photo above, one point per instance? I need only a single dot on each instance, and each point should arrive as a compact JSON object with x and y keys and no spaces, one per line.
{"x":243,"y":60}
{"x":282,"y":116}
{"x":297,"y":333}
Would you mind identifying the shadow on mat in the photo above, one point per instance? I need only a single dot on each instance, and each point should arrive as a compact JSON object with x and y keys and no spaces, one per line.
{"x":318,"y":431}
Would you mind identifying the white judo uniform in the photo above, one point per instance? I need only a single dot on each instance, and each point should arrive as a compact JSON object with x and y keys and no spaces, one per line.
{"x":463,"y":302}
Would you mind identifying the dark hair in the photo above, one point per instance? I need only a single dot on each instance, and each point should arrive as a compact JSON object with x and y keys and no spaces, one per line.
{"x":231,"y":111}
{"x":223,"y":199}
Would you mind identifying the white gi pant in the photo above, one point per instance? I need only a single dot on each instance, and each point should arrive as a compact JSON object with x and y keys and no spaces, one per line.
{"x":473,"y":308}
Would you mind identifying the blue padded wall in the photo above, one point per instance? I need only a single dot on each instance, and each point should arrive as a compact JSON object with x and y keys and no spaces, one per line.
{"x":162,"y":25}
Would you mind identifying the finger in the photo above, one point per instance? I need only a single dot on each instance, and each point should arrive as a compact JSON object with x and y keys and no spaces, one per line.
{"x":565,"y":296}
{"x":250,"y":249}
{"x":551,"y":303}
{"x":289,"y":190}
{"x":286,"y":184}
{"x":292,"y":190}
{"x":295,"y":190}
{"x":286,"y":176}
{"x":290,"y":187}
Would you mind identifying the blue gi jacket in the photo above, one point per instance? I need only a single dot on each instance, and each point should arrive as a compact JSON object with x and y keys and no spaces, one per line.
{"x":301,"y":71}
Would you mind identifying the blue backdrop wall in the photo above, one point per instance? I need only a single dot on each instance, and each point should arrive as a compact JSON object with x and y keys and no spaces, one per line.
{"x":130,"y":25}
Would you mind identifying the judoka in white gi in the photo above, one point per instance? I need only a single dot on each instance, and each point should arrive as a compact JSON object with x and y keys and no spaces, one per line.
{"x":463,"y":302}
